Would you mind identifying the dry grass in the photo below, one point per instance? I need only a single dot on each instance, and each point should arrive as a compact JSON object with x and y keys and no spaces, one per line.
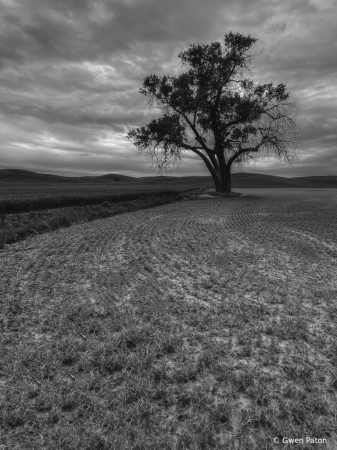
{"x":196,"y":325}
{"x":17,"y":227}
{"x":31,"y":200}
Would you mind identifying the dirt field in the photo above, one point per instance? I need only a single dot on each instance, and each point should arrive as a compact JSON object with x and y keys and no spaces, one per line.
{"x":244,"y":289}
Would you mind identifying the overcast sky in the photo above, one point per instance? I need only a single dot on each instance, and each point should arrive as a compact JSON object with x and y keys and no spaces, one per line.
{"x":70,"y":74}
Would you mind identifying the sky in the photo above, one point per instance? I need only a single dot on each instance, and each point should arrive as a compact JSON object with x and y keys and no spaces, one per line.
{"x":70,"y":73}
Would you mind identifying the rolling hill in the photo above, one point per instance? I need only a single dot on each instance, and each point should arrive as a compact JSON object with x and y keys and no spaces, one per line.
{"x":240,"y":179}
{"x":27,"y":176}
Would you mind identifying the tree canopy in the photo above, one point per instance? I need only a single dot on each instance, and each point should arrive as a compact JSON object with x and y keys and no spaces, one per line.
{"x":216,"y":111}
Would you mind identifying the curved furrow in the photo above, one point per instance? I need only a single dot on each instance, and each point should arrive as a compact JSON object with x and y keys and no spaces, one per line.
{"x":198,"y":251}
{"x":254,"y":220}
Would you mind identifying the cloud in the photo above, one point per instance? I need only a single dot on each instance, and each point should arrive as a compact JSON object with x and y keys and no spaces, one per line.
{"x":70,"y":72}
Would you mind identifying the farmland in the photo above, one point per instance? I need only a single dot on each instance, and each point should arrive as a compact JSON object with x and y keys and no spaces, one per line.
{"x":32,"y":208}
{"x":33,"y":203}
{"x":23,"y":191}
{"x":14,"y":199}
{"x":199,"y":324}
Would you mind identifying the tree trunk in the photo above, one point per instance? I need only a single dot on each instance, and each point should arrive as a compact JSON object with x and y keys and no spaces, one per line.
{"x":222,"y":181}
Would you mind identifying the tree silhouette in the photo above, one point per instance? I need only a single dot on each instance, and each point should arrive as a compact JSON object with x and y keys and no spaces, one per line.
{"x":216,"y":112}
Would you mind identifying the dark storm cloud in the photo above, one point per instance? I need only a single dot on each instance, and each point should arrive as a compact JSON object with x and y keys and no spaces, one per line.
{"x":70,"y":72}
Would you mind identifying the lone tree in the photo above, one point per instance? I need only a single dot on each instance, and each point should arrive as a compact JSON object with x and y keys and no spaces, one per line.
{"x":217,"y":112}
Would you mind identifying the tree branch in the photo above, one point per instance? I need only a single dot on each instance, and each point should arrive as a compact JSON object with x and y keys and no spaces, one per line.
{"x":242,"y":151}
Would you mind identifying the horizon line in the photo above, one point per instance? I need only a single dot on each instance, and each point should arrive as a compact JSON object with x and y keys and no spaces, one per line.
{"x":160,"y":176}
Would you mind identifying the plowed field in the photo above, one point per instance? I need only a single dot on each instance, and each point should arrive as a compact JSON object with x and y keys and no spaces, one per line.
{"x":249,"y":286}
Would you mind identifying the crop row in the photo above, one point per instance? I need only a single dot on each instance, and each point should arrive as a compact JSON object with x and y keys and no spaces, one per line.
{"x":12,"y":206}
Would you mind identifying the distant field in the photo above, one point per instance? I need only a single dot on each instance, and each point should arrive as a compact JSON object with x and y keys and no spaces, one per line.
{"x":205,"y":324}
{"x":24,"y":178}
{"x":13,"y":190}
{"x":18,"y":191}
{"x":24,"y":191}
{"x":16,"y":199}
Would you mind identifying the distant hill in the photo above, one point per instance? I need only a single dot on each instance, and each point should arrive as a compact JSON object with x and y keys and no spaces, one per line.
{"x":27,"y":176}
{"x":110,"y":178}
{"x":240,"y":179}
{"x":248,"y":180}
{"x":327,"y":181}
{"x":161,"y":179}
{"x":199,"y":180}
{"x":258,"y":180}
{"x":19,"y":176}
